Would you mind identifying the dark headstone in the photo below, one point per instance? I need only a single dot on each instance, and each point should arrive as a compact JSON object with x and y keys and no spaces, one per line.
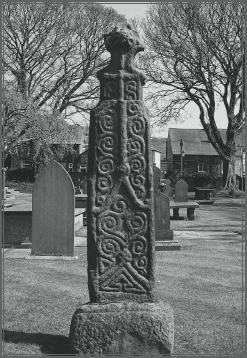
{"x":181,"y":191}
{"x":53,"y":212}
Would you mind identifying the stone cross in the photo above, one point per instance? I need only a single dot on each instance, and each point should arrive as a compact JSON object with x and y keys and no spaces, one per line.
{"x":122,"y":316}
{"x":120,"y":189}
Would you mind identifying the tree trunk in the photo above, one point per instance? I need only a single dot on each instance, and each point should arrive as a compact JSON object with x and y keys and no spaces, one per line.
{"x":229,"y":176}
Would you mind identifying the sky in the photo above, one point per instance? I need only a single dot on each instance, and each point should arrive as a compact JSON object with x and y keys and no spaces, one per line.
{"x":130,"y":10}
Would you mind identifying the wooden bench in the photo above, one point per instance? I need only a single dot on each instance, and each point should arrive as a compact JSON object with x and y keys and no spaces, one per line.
{"x":190,"y":205}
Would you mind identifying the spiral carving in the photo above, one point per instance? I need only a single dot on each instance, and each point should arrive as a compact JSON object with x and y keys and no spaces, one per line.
{"x":140,"y":264}
{"x":106,"y":144}
{"x":133,"y":108}
{"x":108,"y":247}
{"x":106,"y":166}
{"x":104,"y":184}
{"x":119,"y":214}
{"x":138,"y":181}
{"x":137,"y":223}
{"x":137,"y":164}
{"x":119,"y":205}
{"x":110,"y":223}
{"x":136,"y":126}
{"x":107,"y":123}
{"x":138,"y":245}
{"x":135,"y":147}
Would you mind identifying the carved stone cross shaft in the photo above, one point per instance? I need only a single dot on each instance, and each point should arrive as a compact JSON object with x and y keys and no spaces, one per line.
{"x":123,"y":317}
{"x":121,"y":246}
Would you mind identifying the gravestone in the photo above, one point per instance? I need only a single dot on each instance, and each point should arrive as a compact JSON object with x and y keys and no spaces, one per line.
{"x":168,"y":190}
{"x":122,"y":316}
{"x":161,"y":211}
{"x":53,"y":212}
{"x":181,"y":191}
{"x":163,"y":234}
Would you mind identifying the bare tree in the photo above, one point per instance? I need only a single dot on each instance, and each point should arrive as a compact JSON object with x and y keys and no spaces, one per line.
{"x":52,"y":52}
{"x":196,"y":55}
{"x":32,"y":132}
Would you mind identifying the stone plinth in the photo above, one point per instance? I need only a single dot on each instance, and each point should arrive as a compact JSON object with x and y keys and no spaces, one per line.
{"x":122,"y":328}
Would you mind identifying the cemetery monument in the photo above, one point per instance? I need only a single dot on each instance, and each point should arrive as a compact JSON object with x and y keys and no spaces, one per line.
{"x":53,"y":212}
{"x":123,"y":316}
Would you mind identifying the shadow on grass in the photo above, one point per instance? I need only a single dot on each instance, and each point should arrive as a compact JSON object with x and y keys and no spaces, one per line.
{"x":49,"y":343}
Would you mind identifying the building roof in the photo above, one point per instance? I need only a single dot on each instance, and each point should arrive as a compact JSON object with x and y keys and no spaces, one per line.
{"x":159,"y":144}
{"x":195,"y":141}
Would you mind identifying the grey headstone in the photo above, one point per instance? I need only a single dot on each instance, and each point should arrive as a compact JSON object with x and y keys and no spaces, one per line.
{"x":161,"y":211}
{"x":53,"y":212}
{"x":181,"y":191}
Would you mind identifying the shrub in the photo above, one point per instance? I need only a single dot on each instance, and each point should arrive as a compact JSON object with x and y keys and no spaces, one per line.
{"x":20,"y":175}
{"x":202,"y":179}
{"x":208,"y":180}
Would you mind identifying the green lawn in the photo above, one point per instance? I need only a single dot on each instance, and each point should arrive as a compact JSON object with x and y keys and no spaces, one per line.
{"x":202,"y":283}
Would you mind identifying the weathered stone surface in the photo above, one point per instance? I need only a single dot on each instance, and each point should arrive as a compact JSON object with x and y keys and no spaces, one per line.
{"x":120,"y":189}
{"x":181,"y":191}
{"x":122,"y":328}
{"x":122,"y":316}
{"x":53,"y":212}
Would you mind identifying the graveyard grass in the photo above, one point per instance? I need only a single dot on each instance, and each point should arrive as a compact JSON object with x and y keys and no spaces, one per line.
{"x":202,"y":283}
{"x":23,"y":187}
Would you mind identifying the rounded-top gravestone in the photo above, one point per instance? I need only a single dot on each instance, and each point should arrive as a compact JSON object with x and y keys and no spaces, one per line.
{"x":53,"y":212}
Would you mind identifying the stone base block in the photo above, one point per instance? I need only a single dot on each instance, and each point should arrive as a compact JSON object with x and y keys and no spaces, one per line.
{"x":122,"y":328}
{"x":167,"y":245}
